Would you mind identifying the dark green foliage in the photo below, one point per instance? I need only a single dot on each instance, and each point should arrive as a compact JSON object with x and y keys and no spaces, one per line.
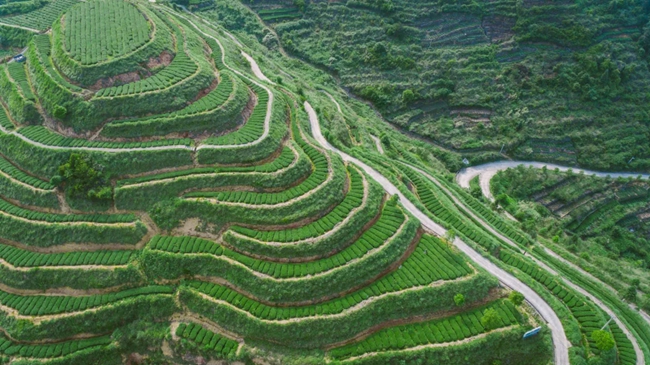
{"x":24,"y":188}
{"x":450,"y":329}
{"x":596,"y":218}
{"x":204,"y":339}
{"x":42,"y":278}
{"x":603,"y":339}
{"x":497,"y":348}
{"x":490,"y":319}
{"x":59,"y":112}
{"x":34,"y":228}
{"x":14,"y":37}
{"x":476,"y":76}
{"x":88,"y":74}
{"x":106,"y":319}
{"x":274,"y":244}
{"x":21,"y":107}
{"x":516,"y":298}
{"x":219,"y":110}
{"x":51,"y":350}
{"x":172,"y":264}
{"x":130,"y":195}
{"x":45,"y":162}
{"x":317,"y":332}
{"x":48,"y":305}
{"x":81,"y":177}
{"x":295,"y":240}
{"x":459,"y":299}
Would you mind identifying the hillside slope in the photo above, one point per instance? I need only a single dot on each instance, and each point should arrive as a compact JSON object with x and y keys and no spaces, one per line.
{"x":176,"y":189}
{"x":544,"y":80}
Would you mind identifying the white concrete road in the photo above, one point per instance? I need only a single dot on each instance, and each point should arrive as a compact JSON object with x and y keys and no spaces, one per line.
{"x":640,"y":359}
{"x":487,"y":171}
{"x":560,"y":341}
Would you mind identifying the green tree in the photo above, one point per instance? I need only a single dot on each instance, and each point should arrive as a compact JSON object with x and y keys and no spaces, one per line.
{"x":516,"y":298}
{"x":408,"y":96}
{"x":300,"y":4}
{"x":459,"y":299}
{"x":630,"y":293}
{"x":490,"y":319}
{"x":385,"y":140}
{"x":59,"y":112}
{"x":603,"y":339}
{"x":82,"y":178}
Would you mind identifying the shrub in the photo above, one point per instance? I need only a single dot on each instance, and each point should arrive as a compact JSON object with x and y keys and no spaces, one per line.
{"x":603,"y":339}
{"x":83,"y":178}
{"x":59,"y":112}
{"x":408,"y":96}
{"x":516,"y":298}
{"x":459,"y":299}
{"x":490,"y":319}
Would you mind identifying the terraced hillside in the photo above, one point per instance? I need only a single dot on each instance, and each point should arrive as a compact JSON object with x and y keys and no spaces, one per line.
{"x":162,"y":202}
{"x":555,"y":81}
{"x":167,"y":196}
{"x":602,"y":220}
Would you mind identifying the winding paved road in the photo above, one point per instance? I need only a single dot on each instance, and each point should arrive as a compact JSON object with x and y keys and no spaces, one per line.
{"x":487,"y":171}
{"x":560,"y":341}
{"x":640,"y":358}
{"x":257,"y":71}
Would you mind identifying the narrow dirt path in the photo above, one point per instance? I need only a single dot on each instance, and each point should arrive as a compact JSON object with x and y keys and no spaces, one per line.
{"x":62,"y":267}
{"x":338,"y":106}
{"x":20,"y":27}
{"x":50,"y":341}
{"x":56,"y":292}
{"x":69,"y":223}
{"x":343,"y":313}
{"x":209,"y":325}
{"x":267,"y":119}
{"x":217,"y":174}
{"x":368,"y":255}
{"x":560,"y":341}
{"x":48,"y":317}
{"x":380,"y":148}
{"x":321,"y":186}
